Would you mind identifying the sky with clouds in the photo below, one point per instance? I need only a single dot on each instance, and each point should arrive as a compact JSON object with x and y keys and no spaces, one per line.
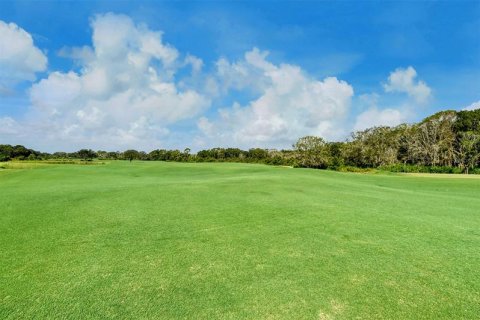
{"x":148,"y":75}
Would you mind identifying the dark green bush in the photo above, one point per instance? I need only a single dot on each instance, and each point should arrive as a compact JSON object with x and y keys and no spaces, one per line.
{"x":408,"y":168}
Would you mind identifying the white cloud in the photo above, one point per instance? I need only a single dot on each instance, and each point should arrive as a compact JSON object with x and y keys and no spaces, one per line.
{"x":473,"y":106}
{"x":291,"y":104}
{"x":404,"y":80}
{"x":129,"y":91}
{"x":125,"y":94}
{"x":376,"y":117}
{"x":246,"y":74}
{"x":83,"y":54}
{"x":20,"y":59}
{"x":195,"y":62}
{"x":376,"y":114}
{"x":8,"y":126}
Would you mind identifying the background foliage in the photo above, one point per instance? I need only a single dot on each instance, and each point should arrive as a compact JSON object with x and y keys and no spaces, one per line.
{"x":447,"y":142}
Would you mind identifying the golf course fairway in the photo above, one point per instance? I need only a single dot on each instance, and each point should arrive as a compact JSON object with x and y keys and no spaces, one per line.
{"x":157,"y":240}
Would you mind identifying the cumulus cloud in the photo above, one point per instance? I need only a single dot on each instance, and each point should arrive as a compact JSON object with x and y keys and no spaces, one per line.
{"x":81,"y":55}
{"x":375,"y":117}
{"x":376,"y":114}
{"x":404,"y":80}
{"x":291,"y":104}
{"x":8,"y":126}
{"x":130,"y":89}
{"x":473,"y":106}
{"x":195,"y":62}
{"x":20,"y":59}
{"x":124,"y":95}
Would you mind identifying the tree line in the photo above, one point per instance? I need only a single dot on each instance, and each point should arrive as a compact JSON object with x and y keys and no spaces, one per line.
{"x":448,"y":142}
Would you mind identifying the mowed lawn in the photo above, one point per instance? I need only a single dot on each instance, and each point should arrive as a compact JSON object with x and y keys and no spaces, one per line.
{"x":236,"y":241}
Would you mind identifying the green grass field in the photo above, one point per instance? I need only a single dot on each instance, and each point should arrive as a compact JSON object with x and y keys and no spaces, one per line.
{"x":236,"y":241}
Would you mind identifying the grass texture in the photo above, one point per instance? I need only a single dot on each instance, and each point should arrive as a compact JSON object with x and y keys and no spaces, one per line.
{"x":147,"y":240}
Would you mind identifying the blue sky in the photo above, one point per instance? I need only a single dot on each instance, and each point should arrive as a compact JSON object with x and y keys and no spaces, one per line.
{"x":388,"y":62}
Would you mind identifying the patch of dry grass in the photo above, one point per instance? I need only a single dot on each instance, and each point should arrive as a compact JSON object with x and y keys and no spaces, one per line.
{"x":26,"y":164}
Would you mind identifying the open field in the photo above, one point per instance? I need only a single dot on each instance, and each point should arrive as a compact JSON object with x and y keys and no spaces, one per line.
{"x":236,"y":241}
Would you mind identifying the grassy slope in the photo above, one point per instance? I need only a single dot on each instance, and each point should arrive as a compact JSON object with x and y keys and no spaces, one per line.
{"x":170,"y":240}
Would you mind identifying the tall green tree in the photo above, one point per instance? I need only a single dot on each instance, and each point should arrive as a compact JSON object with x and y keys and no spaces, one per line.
{"x":312,"y":152}
{"x":468,"y":151}
{"x":86,"y":154}
{"x":131,"y":155}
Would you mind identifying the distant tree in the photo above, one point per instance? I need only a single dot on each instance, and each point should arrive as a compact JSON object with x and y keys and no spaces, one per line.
{"x":336,"y":154}
{"x":142,"y":155}
{"x":404,"y":133}
{"x":438,"y":143}
{"x":186,"y":154}
{"x":312,"y":152}
{"x":468,"y":151}
{"x":352,"y":152}
{"x":131,"y":155}
{"x":19,"y":152}
{"x":257,"y":154}
{"x":86,"y":154}
{"x":174,"y":155}
{"x":102,"y":154}
{"x":203,"y":155}
{"x":432,"y":140}
{"x":158,"y":155}
{"x":218,"y":153}
{"x":60,"y":155}
{"x":113,"y":155}
{"x":467,"y":121}
{"x":378,"y":146}
{"x":6,"y":152}
{"x":233,"y":153}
